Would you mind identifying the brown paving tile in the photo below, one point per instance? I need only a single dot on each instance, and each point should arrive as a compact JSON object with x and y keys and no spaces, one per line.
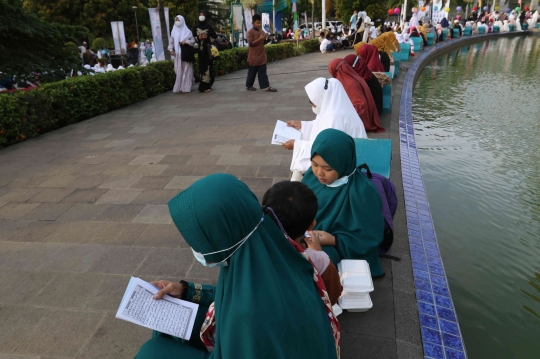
{"x":155,"y":196}
{"x":115,"y":339}
{"x":120,"y":212}
{"x":120,"y":233}
{"x":243,"y":171}
{"x":179,"y":170}
{"x":8,"y":228}
{"x":119,"y":170}
{"x":74,"y":258}
{"x":156,"y":182}
{"x":28,"y":182}
{"x":120,"y":181}
{"x":120,"y":260}
{"x":61,"y":333}
{"x":274,"y":171}
{"x":201,"y":160}
{"x":166,"y":262}
{"x":68,"y":291}
{"x":118,"y":196}
{"x":182,"y":182}
{"x":150,"y":170}
{"x":250,"y":150}
{"x":16,"y":324}
{"x":37,"y":231}
{"x":175,"y":159}
{"x":153,"y":213}
{"x":85,"y":195}
{"x":59,"y":181}
{"x":28,"y":284}
{"x":88,"y":182}
{"x":81,"y":212}
{"x":48,"y":211}
{"x":257,"y":184}
{"x":76,"y":232}
{"x":51,"y":195}
{"x":6,"y":248}
{"x":197,"y":150}
{"x":207,"y":170}
{"x":20,"y":194}
{"x":161,"y":235}
{"x":108,"y":293}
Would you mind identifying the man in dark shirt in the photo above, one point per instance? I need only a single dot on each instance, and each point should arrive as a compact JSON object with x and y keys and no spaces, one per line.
{"x":257,"y":57}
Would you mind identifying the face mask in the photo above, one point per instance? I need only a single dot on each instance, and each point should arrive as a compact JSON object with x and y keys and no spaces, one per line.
{"x":341,"y":181}
{"x":178,"y":23}
{"x":200,"y":257}
{"x":316,"y":110}
{"x":202,"y":18}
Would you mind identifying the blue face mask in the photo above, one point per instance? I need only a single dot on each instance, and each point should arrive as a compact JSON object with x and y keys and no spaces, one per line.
{"x":200,"y":257}
{"x":341,"y":181}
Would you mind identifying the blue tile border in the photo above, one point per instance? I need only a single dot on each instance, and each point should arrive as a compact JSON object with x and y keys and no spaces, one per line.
{"x":439,"y":324}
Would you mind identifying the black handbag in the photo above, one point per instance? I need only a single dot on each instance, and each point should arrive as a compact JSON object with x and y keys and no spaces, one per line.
{"x":188,"y":53}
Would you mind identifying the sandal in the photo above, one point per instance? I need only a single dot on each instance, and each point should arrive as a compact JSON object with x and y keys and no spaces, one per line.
{"x":270,"y":89}
{"x":251,"y":88}
{"x":207,"y":91}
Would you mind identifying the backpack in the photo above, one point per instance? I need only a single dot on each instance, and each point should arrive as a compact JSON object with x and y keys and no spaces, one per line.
{"x":389,"y":200}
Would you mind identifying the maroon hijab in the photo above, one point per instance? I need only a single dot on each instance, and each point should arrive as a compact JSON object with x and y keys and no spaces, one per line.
{"x":370,"y":53}
{"x":360,"y":68}
{"x":358,"y":92}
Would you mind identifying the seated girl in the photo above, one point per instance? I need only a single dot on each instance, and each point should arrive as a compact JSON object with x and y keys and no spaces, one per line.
{"x":349,"y":218}
{"x":294,"y":207}
{"x":358,"y":92}
{"x":258,"y":309}
{"x":334,"y":109}
{"x":359,"y":66}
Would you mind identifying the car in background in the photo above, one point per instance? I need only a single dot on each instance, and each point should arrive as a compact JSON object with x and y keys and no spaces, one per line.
{"x":222,"y":42}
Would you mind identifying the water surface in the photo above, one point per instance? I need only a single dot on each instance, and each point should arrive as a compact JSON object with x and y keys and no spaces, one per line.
{"x":477,"y":125}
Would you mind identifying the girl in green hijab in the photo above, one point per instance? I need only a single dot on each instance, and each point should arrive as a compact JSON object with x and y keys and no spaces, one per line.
{"x":349,"y":221}
{"x":266,"y":304}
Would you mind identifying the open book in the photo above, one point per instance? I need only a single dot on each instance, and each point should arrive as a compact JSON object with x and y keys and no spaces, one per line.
{"x":167,"y":315}
{"x":283,"y":133}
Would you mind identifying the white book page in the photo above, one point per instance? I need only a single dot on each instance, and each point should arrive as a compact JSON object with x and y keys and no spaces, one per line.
{"x":167,"y":315}
{"x":283,"y":133}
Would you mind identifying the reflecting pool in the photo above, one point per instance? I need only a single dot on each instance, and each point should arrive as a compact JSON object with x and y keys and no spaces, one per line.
{"x":477,"y":125}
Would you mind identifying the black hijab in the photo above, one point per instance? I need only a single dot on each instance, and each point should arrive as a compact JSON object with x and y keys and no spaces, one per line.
{"x":206,"y":24}
{"x":444,"y":22}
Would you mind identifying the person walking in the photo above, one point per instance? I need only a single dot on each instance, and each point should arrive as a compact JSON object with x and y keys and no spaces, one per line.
{"x":256,"y":38}
{"x":181,"y":47}
{"x":353,"y":20}
{"x":205,"y":35}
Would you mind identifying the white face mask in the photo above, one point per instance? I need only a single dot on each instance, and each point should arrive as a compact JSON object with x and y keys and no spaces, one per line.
{"x":202,"y":18}
{"x":200,"y":257}
{"x":178,"y":23}
{"x":341,"y":181}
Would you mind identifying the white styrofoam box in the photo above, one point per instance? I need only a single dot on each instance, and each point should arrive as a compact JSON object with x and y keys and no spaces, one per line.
{"x":357,"y":282}
{"x":337,"y":309}
{"x":353,"y":265}
{"x":356,"y":303}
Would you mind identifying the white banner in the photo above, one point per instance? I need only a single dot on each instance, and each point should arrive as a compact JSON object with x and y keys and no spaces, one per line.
{"x":156,"y":32}
{"x":438,"y":12}
{"x":266,"y":22}
{"x":249,"y":21}
{"x":237,"y":17}
{"x":119,"y":37}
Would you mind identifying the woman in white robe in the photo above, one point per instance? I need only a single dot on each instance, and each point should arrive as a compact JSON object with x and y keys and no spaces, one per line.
{"x":505,"y":27}
{"x":366,"y":20}
{"x":533,"y":20}
{"x":181,"y":35}
{"x":334,"y":109}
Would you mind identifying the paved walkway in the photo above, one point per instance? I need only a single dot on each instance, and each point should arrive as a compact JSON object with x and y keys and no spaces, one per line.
{"x":84,"y":208}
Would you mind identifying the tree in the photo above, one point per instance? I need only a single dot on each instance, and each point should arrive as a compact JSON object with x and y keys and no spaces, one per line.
{"x":31,"y":49}
{"x":377,"y":12}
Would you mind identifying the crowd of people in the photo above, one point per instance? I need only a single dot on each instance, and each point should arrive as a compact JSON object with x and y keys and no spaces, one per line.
{"x":330,"y":210}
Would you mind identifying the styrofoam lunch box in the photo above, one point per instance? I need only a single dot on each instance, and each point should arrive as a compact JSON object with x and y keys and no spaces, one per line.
{"x":355,"y":303}
{"x":355,"y":276}
{"x":336,"y":309}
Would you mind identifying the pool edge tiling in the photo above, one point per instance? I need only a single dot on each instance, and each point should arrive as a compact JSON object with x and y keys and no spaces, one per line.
{"x":439,"y":325}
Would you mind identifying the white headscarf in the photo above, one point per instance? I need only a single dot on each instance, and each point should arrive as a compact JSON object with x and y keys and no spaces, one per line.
{"x":180,"y":34}
{"x":335,"y":110}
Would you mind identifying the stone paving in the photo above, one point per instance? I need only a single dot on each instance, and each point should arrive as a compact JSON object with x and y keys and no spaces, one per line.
{"x":84,"y":208}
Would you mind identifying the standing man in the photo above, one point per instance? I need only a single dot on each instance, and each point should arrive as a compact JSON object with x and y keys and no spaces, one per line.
{"x":354,"y":19}
{"x":373,"y":33}
{"x":257,"y":57}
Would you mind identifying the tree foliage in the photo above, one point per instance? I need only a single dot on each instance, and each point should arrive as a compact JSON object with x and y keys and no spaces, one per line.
{"x":344,"y":8}
{"x":31,"y":49}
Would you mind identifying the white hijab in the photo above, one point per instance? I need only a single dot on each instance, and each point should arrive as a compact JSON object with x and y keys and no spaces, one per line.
{"x":334,"y":110}
{"x":533,"y":20}
{"x":179,"y":34}
{"x":505,"y":27}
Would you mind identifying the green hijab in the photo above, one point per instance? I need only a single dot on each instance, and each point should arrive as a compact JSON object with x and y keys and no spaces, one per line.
{"x":352,"y":212}
{"x":266,"y":303}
